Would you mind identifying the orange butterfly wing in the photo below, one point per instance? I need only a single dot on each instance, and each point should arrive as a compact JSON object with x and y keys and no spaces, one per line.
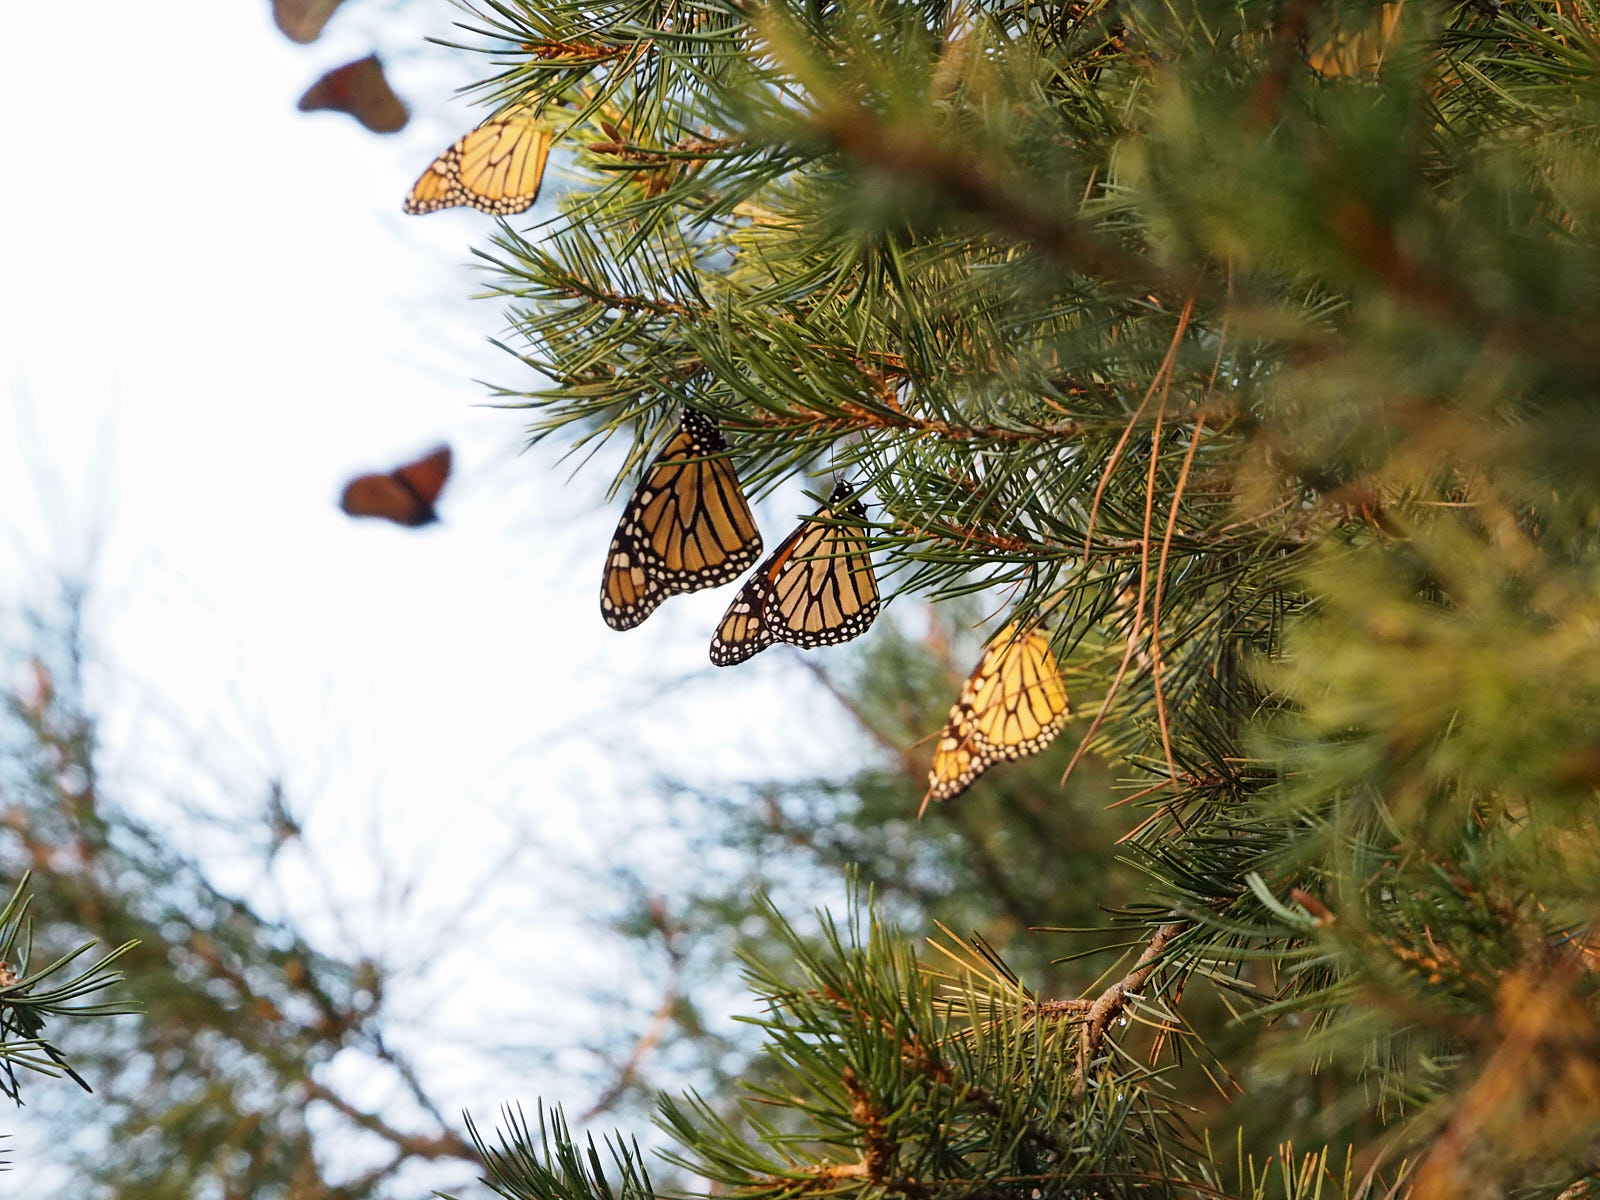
{"x":405,"y":496}
{"x":1356,"y":53}
{"x":1013,"y":705}
{"x":427,"y":476}
{"x":687,"y":526}
{"x":496,"y":168}
{"x":816,"y":589}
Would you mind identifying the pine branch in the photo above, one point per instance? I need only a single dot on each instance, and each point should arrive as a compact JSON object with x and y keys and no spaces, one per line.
{"x":1012,"y":213}
{"x":1108,"y":1006}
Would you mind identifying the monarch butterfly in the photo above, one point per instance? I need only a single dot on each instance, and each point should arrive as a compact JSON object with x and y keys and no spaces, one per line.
{"x":1356,"y":52}
{"x":405,"y":495}
{"x":817,"y":589}
{"x":1011,"y":706}
{"x":360,"y":89}
{"x":302,"y":20}
{"x":687,"y":526}
{"x":497,"y":168}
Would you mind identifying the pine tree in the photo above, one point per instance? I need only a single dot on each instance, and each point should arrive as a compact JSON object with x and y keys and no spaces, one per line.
{"x":1252,"y":349}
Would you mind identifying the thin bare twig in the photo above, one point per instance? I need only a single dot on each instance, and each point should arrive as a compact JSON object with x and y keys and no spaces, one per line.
{"x":907,"y":761}
{"x":447,"y":1145}
{"x":692,"y":149}
{"x":659,"y":1020}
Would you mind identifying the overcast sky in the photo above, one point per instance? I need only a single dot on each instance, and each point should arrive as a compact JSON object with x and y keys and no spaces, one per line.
{"x":213,"y":313}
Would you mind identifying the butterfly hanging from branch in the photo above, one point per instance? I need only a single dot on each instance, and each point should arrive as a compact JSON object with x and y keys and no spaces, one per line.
{"x":687,"y":526}
{"x":1012,"y":705}
{"x":498,"y":168}
{"x":816,"y":589}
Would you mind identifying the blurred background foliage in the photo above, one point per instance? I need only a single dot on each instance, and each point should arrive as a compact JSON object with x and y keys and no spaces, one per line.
{"x":226,"y":1080}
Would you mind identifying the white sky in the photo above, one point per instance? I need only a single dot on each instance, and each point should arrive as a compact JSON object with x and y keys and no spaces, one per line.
{"x":213,"y":313}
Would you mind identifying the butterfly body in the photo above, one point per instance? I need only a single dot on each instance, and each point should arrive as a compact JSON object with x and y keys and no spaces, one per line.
{"x":686,"y":527}
{"x":498,"y":168}
{"x":405,"y":496}
{"x":816,"y":589}
{"x":1013,"y":705}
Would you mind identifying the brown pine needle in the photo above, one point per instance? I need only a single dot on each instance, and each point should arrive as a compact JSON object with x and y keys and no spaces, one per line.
{"x":1162,"y":376}
{"x":1163,"y":379}
{"x":1155,"y":608}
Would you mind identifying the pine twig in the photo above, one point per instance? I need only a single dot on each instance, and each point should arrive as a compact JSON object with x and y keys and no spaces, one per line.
{"x":1109,"y":1004}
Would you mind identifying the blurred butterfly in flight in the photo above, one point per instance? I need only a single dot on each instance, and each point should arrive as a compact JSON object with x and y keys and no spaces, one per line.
{"x":302,"y":20}
{"x":1012,"y":705}
{"x":360,"y":89}
{"x":687,"y":526}
{"x":816,"y":589}
{"x":405,"y":495}
{"x":497,"y":168}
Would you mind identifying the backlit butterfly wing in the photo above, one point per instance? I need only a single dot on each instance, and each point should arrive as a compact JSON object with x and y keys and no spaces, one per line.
{"x":816,"y":589}
{"x":497,"y":168}
{"x":1356,"y":53}
{"x":405,"y":495}
{"x":1011,"y":706}
{"x":360,"y":89}
{"x":687,"y":527}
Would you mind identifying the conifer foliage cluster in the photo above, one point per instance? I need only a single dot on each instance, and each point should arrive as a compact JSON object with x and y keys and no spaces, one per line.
{"x":1250,"y":348}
